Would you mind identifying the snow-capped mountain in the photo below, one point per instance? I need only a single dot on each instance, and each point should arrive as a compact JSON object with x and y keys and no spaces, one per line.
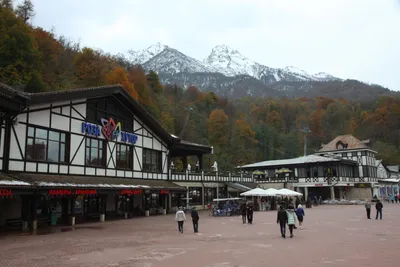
{"x":172,"y":61}
{"x":140,"y":57}
{"x":222,"y":59}
{"x":228,"y":73}
{"x":230,"y":62}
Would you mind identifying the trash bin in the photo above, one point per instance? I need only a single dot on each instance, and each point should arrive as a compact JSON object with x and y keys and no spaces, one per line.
{"x":53,"y":219}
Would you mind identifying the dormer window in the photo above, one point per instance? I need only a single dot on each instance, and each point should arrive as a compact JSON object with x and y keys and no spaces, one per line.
{"x":340,"y":145}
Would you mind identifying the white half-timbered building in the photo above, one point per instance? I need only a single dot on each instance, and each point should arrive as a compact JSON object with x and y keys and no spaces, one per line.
{"x":90,"y":154}
{"x":343,"y":168}
{"x":388,"y":185}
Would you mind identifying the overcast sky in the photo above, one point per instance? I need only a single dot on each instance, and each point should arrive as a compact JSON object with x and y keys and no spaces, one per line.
{"x":347,"y":38}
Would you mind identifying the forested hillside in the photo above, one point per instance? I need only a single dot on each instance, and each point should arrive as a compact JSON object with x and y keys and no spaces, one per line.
{"x":242,"y":130}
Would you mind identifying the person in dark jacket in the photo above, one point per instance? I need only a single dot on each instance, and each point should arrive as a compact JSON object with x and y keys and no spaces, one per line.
{"x":195,"y":220}
{"x":282,"y":219}
{"x":243,"y":211}
{"x":249,"y":212}
{"x":378,"y":207}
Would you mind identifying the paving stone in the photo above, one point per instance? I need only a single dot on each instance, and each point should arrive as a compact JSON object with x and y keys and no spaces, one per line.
{"x":331,"y":236}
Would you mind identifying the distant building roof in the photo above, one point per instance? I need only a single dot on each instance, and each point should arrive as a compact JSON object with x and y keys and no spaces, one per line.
{"x":343,"y":142}
{"x":393,"y":168}
{"x":295,"y":161}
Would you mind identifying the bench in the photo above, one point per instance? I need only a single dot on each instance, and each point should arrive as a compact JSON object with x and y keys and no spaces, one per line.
{"x":15,"y":224}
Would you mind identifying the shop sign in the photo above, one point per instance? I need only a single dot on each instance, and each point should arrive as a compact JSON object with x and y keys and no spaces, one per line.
{"x":319,"y":185}
{"x":131,"y":192}
{"x":164,"y":192}
{"x":68,"y":192}
{"x":5,"y":192}
{"x":110,"y":130}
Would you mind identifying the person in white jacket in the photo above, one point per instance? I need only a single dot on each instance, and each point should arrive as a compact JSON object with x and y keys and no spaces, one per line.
{"x":180,"y":217}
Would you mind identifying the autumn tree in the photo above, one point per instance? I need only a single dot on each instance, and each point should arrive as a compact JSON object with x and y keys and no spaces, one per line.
{"x":243,"y":142}
{"x":25,"y":10}
{"x":218,"y":131}
{"x":154,"y":82}
{"x":274,"y":119}
{"x":91,"y":68}
{"x":6,"y":4}
{"x":146,"y":97}
{"x":167,"y":121}
{"x":19,"y":55}
{"x":119,"y":76}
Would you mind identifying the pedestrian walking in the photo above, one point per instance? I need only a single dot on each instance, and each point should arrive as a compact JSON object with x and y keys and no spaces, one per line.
{"x":291,"y":219}
{"x":396,"y":198}
{"x":282,"y":219}
{"x":378,"y":207}
{"x":209,"y":207}
{"x":180,"y":218}
{"x":249,"y":212}
{"x":368,"y":208}
{"x":243,"y":211}
{"x":300,"y":215}
{"x":195,"y":220}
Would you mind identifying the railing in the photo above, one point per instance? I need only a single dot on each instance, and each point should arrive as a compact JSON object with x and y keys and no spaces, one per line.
{"x":210,"y":177}
{"x":336,"y":180}
{"x":222,"y":177}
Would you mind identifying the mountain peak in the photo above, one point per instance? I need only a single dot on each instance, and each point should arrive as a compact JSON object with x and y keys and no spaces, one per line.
{"x":142,"y":56}
{"x":224,"y":49}
{"x":222,"y":59}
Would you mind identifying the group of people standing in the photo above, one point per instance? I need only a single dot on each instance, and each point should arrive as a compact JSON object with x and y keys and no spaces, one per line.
{"x":378,"y":207}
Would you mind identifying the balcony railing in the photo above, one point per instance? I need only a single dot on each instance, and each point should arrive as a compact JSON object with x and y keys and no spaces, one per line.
{"x":211,"y":177}
{"x":203,"y":176}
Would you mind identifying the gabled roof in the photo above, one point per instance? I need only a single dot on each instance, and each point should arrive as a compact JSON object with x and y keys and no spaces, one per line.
{"x":186,"y":148}
{"x":393,"y":168}
{"x":103,"y":91}
{"x":296,"y":161}
{"x":11,"y":100}
{"x":348,"y":141}
{"x":11,"y":93}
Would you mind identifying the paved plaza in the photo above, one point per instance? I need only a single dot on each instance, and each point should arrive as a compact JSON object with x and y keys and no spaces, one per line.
{"x":332,"y":236}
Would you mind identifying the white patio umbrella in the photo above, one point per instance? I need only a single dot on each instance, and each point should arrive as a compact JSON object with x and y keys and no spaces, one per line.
{"x":272,"y":192}
{"x":256,"y":192}
{"x":288,"y":193}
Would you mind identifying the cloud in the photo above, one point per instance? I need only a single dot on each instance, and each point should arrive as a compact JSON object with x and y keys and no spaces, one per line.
{"x":350,"y":39}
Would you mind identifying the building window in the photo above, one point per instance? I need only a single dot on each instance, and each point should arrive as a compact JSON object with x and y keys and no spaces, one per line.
{"x":108,"y":107}
{"x":46,"y":145}
{"x":124,"y":156}
{"x":195,"y":195}
{"x":95,"y":152}
{"x":152,"y":160}
{"x":209,"y":194}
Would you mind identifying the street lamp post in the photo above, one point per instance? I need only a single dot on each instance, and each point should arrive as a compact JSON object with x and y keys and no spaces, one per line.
{"x":306,"y":131}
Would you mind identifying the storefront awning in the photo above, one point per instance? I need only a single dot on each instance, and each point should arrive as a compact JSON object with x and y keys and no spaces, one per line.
{"x":8,"y":181}
{"x":390,"y":180}
{"x":238,"y":187}
{"x":48,"y":181}
{"x":189,"y":184}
